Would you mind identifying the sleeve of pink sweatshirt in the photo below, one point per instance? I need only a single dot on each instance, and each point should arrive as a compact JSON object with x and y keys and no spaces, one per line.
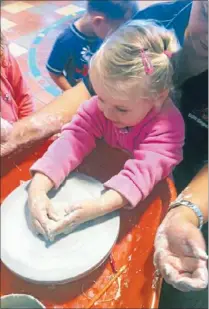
{"x":77,"y":140}
{"x":22,"y":95}
{"x":154,"y":159}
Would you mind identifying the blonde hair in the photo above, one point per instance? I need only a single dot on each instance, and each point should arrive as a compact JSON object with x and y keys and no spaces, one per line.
{"x":119,"y":62}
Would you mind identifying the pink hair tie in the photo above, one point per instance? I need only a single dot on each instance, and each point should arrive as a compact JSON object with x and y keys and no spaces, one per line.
{"x":168,"y":53}
{"x":148,"y":67}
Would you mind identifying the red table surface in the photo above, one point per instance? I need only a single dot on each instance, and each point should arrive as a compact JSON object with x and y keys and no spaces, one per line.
{"x":134,"y":247}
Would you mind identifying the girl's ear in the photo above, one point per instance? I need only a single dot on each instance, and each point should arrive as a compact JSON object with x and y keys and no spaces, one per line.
{"x":161,"y":97}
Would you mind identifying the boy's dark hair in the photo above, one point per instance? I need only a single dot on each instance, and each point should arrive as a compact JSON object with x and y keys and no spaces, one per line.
{"x":113,"y":9}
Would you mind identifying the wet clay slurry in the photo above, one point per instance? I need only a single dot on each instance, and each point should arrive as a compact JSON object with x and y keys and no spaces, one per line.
{"x":134,"y":247}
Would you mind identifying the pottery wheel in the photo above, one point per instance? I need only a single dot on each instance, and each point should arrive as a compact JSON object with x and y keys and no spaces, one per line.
{"x":69,"y":257}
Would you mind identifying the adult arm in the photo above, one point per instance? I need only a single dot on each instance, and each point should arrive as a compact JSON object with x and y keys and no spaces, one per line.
{"x":192,"y":59}
{"x":59,"y":57}
{"x":197,"y":193}
{"x":154,"y":159}
{"x":45,"y":122}
{"x":180,"y":254}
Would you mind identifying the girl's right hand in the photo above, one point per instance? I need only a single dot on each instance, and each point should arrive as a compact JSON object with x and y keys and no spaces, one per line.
{"x":42,"y":213}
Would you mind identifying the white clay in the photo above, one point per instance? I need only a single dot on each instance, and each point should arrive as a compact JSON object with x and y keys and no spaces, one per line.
{"x":70,"y":256}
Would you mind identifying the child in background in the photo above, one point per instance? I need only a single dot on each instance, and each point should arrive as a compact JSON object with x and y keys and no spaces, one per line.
{"x":132,"y":76}
{"x":16,"y":102}
{"x":68,"y":61}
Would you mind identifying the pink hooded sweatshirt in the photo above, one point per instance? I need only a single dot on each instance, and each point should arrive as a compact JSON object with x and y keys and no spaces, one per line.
{"x":155,"y":145}
{"x":16,"y":102}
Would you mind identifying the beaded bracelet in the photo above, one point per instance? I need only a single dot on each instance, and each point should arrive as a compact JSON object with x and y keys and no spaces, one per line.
{"x":192,"y":206}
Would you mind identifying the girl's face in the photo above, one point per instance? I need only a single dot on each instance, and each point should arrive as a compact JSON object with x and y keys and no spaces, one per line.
{"x":123,"y":113}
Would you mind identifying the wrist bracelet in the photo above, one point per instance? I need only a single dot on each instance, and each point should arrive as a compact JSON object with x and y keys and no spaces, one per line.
{"x":190,"y":205}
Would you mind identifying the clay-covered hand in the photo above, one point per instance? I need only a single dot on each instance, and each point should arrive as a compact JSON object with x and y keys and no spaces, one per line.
{"x":6,"y":129}
{"x":8,"y":144}
{"x":43,"y":214}
{"x":88,"y":210}
{"x":180,"y":255}
{"x":74,"y":216}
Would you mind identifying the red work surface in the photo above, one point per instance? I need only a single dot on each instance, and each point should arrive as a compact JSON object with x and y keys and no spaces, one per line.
{"x":134,"y":247}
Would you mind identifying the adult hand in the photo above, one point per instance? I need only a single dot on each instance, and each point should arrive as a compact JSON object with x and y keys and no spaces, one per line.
{"x":7,"y":145}
{"x":6,"y":129}
{"x":180,"y":255}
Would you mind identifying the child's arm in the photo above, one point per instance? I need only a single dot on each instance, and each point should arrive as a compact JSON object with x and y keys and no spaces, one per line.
{"x":59,"y":57}
{"x":76,"y":141}
{"x":154,"y":160}
{"x":86,"y":211}
{"x":21,"y":92}
{"x":63,"y":156}
{"x":61,"y":81}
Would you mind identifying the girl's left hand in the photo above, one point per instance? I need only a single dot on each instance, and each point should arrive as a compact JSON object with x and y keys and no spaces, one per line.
{"x":75,"y":215}
{"x":88,"y":210}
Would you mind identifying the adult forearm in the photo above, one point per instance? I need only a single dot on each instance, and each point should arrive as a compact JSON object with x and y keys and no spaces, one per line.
{"x":197,"y":193}
{"x":47,"y":121}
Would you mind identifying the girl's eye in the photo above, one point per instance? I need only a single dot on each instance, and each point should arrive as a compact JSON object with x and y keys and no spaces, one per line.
{"x":121,"y":110}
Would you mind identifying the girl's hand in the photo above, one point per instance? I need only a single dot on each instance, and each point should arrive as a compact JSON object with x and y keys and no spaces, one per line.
{"x":74,"y":216}
{"x":87,"y":210}
{"x":42,"y":213}
{"x":180,"y":255}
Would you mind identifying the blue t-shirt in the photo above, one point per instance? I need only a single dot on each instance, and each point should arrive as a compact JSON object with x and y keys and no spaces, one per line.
{"x":71,"y":53}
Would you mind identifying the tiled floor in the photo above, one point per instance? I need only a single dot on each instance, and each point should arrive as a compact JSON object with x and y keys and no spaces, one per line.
{"x":31,"y":28}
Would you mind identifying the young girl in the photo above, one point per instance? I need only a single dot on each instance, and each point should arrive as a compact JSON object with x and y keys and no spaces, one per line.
{"x":16,"y":102}
{"x":132,"y":76}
